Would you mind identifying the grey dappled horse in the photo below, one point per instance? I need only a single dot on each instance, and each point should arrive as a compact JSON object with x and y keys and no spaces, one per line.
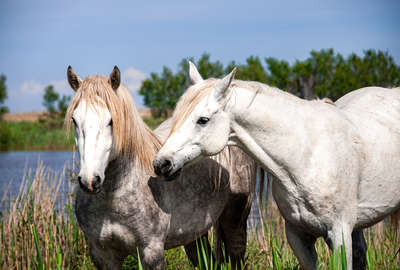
{"x":121,"y":207}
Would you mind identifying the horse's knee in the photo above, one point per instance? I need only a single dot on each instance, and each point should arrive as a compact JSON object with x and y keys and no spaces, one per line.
{"x":152,"y":256}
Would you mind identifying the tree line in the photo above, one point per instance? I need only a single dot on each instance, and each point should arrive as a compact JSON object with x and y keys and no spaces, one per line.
{"x":324,"y":73}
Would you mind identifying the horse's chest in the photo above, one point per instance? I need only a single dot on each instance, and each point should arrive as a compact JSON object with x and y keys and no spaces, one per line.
{"x":100,"y":225}
{"x":110,"y":234}
{"x":116,"y":234}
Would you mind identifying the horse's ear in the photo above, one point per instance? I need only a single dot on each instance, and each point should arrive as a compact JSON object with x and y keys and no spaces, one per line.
{"x":115,"y":78}
{"x":222,"y":86}
{"x":73,"y":79}
{"x":194,"y":74}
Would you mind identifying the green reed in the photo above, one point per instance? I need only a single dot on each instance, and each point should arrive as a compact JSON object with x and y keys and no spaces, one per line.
{"x":39,"y":230}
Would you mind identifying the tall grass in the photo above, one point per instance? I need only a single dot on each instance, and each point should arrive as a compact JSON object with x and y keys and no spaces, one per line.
{"x":38,"y":230}
{"x":39,"y":135}
{"x":43,"y":135}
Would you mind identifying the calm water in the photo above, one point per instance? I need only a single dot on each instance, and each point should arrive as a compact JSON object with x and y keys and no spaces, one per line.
{"x":14,"y":164}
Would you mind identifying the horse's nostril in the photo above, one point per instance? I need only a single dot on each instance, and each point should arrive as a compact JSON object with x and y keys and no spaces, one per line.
{"x":162,"y":167}
{"x":166,"y":164}
{"x":96,"y":182}
{"x":81,"y":184}
{"x":166,"y":167}
{"x":97,"y":179}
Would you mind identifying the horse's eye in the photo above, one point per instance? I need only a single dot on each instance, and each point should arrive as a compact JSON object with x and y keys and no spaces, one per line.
{"x":110,"y":123}
{"x":203,"y":120}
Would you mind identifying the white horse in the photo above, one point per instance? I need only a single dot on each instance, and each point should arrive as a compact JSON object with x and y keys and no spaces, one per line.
{"x":337,"y":167}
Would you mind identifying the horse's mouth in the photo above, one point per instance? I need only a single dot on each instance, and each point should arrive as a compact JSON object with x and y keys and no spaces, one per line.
{"x":87,"y":190}
{"x":173,"y":176}
{"x":94,"y":192}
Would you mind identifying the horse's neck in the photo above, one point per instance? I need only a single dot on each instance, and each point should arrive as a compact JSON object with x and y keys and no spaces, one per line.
{"x":124,"y":175}
{"x":141,"y":149}
{"x":128,"y":172}
{"x":271,"y":127}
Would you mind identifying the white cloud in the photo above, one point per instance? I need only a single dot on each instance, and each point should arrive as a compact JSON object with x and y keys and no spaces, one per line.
{"x":31,"y":87}
{"x":133,"y":78}
{"x":35,"y":88}
{"x":29,"y":95}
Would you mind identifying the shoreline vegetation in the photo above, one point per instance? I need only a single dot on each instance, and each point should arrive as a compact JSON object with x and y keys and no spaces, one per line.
{"x":44,"y":135}
{"x":38,"y":230}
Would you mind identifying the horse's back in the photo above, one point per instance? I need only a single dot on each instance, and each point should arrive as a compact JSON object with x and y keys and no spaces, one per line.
{"x":376,"y":100}
{"x":375,"y":114}
{"x":374,"y":111}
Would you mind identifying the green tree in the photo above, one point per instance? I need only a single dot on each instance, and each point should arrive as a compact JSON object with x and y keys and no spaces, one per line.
{"x":50,"y":98}
{"x":328,"y":74}
{"x":375,"y":68}
{"x":63,"y":103}
{"x":3,"y":94}
{"x":280,"y":74}
{"x":253,"y":70}
{"x":324,"y":73}
{"x":209,"y":69}
{"x":162,"y":91}
{"x":313,"y":76}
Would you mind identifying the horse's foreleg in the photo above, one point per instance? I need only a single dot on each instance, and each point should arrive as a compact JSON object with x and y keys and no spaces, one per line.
{"x":152,"y":256}
{"x":303,"y":246}
{"x":235,"y":244}
{"x":97,"y":257}
{"x":199,"y":245}
{"x":340,"y":235}
{"x":233,"y":229}
{"x":359,"y":250}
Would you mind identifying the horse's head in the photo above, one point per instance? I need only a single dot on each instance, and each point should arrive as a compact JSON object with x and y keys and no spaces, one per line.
{"x":93,"y":121}
{"x":201,"y":125}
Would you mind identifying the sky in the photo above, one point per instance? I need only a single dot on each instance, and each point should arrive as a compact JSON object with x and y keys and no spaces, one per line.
{"x":39,"y":39}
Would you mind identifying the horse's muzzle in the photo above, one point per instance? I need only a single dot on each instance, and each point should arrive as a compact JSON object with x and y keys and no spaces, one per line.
{"x":91,"y":188}
{"x":162,"y":167}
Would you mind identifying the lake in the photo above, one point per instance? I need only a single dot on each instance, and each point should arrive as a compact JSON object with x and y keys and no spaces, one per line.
{"x":13,"y":166}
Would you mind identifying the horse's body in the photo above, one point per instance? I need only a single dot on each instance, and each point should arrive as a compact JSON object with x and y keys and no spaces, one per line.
{"x":374,"y":113}
{"x":128,"y":209}
{"x":336,"y":168}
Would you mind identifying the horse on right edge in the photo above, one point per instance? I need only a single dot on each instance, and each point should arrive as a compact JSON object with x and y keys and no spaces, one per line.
{"x":336,"y":168}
